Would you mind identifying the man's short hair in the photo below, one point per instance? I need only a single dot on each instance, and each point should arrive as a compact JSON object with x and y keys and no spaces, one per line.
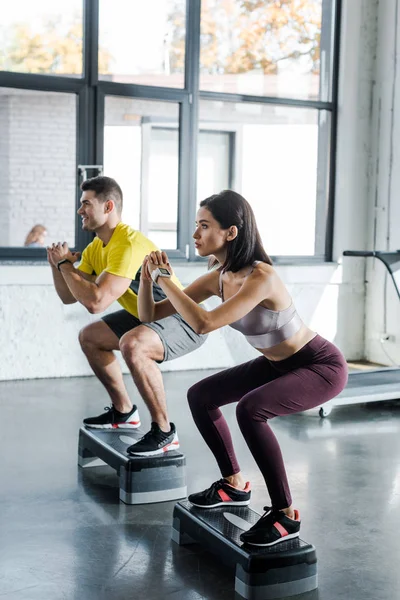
{"x":105,"y":189}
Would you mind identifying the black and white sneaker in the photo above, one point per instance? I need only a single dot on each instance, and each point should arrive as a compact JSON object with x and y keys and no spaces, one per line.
{"x":221,"y":493}
{"x":155,"y":442}
{"x":113,"y":419}
{"x":272,"y":528}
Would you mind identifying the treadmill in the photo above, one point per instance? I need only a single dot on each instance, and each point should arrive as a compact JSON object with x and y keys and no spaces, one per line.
{"x":376,"y":384}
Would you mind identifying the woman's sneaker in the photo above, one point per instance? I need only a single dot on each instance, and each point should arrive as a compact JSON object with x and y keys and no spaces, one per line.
{"x":273,"y":527}
{"x":113,"y":419}
{"x":221,"y":493}
{"x":155,"y":442}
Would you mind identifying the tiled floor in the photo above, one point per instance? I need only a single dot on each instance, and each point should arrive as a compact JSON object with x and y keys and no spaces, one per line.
{"x":65,"y":535}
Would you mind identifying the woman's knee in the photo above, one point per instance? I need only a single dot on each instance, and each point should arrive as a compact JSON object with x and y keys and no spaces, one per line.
{"x":193,"y":394}
{"x":198,"y":395}
{"x":246,"y":409}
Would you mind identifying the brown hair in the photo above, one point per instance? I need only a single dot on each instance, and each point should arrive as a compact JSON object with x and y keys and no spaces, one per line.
{"x":230,"y":208}
{"x":105,"y":189}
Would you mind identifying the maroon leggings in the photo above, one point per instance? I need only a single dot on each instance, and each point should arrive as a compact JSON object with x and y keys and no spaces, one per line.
{"x":265,"y":389}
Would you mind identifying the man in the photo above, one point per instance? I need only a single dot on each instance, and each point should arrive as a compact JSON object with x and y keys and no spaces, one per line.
{"x":108,"y":271}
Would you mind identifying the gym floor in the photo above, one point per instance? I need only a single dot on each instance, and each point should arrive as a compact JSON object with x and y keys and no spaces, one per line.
{"x":64,"y":535}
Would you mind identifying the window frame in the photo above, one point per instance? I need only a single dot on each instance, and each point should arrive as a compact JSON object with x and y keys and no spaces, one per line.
{"x":92,"y":91}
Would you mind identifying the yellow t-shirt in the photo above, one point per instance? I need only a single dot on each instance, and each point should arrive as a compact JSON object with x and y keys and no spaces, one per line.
{"x":122,"y":256}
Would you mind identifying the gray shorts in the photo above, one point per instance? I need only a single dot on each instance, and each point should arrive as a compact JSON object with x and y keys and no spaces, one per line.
{"x":177,"y":337}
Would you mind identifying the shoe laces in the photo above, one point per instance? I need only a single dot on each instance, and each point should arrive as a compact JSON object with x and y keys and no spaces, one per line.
{"x":270,"y":516}
{"x":155,"y":432}
{"x":214,"y":487}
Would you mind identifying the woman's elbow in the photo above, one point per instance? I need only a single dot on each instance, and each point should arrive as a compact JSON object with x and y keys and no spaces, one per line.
{"x":203,"y":327}
{"x":146,"y":318}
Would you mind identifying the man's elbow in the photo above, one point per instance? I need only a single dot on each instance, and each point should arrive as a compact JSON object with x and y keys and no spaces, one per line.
{"x":68,"y":300}
{"x":95,"y":307}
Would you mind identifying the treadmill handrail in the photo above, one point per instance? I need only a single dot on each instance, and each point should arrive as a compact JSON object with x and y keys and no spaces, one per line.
{"x":380,"y":255}
{"x":358,"y":253}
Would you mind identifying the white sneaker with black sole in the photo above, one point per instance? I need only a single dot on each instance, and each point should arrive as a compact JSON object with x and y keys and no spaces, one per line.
{"x":155,"y":442}
{"x":113,"y":419}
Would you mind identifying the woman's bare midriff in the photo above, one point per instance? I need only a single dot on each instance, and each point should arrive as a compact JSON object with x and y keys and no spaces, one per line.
{"x":289,"y":347}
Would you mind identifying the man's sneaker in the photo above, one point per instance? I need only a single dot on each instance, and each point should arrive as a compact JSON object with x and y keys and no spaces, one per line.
{"x":273,"y":527}
{"x":113,"y":419}
{"x":155,"y":442}
{"x":221,"y":493}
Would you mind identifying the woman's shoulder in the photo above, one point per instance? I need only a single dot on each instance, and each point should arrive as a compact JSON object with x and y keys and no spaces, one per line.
{"x":263,"y":269}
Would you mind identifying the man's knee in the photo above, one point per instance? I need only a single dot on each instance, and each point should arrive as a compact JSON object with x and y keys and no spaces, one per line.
{"x":139,"y":343}
{"x":97,"y":336}
{"x":86,"y":338}
{"x":129,"y":345}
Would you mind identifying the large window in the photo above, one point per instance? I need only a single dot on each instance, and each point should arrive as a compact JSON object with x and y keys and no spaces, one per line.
{"x":177,"y":100}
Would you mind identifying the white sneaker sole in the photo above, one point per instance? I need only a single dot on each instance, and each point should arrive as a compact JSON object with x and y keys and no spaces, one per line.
{"x":226,"y":503}
{"x":174,"y":445}
{"x":133,"y":425}
{"x":282,"y":539}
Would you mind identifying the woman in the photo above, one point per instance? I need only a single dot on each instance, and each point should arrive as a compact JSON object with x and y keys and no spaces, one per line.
{"x":297,"y":369}
{"x":36,"y":237}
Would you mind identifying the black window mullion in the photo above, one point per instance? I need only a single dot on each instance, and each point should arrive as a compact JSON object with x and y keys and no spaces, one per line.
{"x":42,"y":83}
{"x":242,"y":98}
{"x":189,"y":134}
{"x":333,"y":134}
{"x":88,"y":126}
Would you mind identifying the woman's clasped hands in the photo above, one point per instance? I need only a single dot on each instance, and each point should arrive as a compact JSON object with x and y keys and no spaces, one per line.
{"x":153,"y":261}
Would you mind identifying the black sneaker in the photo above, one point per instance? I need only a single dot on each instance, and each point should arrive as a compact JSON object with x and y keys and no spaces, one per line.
{"x":155,"y":442}
{"x":221,"y":493}
{"x":113,"y":419}
{"x":273,"y":527}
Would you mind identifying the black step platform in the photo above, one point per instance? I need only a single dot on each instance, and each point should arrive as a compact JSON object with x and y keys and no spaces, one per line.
{"x":142,"y":479}
{"x":280,"y":571}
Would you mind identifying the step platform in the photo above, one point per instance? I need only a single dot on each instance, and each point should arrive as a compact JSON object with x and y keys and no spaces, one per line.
{"x":280,"y":571}
{"x":142,"y":480}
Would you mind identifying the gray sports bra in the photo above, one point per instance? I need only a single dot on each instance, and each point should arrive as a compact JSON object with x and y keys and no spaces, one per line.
{"x":264,"y":328}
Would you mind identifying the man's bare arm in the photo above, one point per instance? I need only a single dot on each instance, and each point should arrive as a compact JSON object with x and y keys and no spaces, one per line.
{"x":60,"y":285}
{"x":97,"y":294}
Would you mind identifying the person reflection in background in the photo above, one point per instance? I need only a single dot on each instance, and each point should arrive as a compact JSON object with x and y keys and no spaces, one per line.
{"x":36,"y":237}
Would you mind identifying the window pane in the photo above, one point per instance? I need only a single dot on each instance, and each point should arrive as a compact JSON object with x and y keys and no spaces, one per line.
{"x":274,"y":167}
{"x":37,"y":167}
{"x":214,"y":154}
{"x":143,"y":42}
{"x":44,"y":36}
{"x":141,"y":151}
{"x":263,"y":48}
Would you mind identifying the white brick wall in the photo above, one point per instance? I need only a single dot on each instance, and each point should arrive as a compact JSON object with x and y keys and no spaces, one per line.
{"x":37,"y":164}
